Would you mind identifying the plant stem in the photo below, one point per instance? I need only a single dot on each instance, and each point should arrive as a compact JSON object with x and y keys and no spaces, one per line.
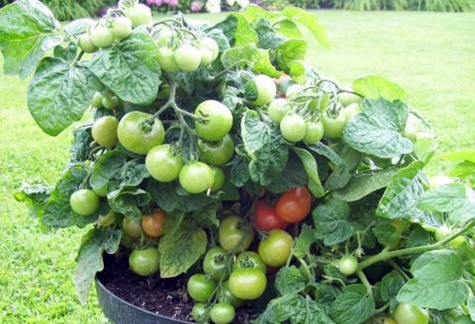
{"x":385,"y":255}
{"x":365,"y":282}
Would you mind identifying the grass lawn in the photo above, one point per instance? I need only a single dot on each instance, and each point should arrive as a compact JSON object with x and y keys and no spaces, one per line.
{"x":431,"y":55}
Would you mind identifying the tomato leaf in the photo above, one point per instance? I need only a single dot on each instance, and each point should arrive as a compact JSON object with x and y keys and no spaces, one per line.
{"x":332,"y":223}
{"x":34,"y":197}
{"x":58,"y":212}
{"x":129,"y":68}
{"x":290,"y":51}
{"x":304,"y":241}
{"x":294,"y":309}
{"x":288,"y":28}
{"x":403,"y":192}
{"x":353,"y":306}
{"x":375,"y":87}
{"x":455,"y":199}
{"x":265,"y":147}
{"x":390,"y":285}
{"x":268,"y":38}
{"x":128,"y":200}
{"x":387,"y":234}
{"x":29,"y":30}
{"x":378,"y":129}
{"x":257,"y":58}
{"x":237,"y":29}
{"x":294,"y":175}
{"x":59,"y":94}
{"x":89,"y":259}
{"x":181,"y":249}
{"x":311,"y":167}
{"x":342,"y":173}
{"x":362,"y":185}
{"x":302,"y":71}
{"x":436,"y":273}
{"x":289,"y":280}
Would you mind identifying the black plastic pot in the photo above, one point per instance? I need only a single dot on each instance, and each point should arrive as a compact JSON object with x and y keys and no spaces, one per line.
{"x":118,"y":311}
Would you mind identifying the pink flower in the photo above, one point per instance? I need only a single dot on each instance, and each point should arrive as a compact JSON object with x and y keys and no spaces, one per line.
{"x":173,"y":3}
{"x":196,"y":6}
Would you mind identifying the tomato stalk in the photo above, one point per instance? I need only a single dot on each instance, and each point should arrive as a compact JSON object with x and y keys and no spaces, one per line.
{"x":369,"y":289}
{"x":385,"y":255}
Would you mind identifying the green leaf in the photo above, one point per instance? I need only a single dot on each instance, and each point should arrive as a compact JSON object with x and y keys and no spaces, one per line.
{"x":390,"y":285}
{"x":305,"y":240}
{"x":332,"y":223}
{"x":289,"y":280}
{"x":378,"y":129}
{"x":460,"y":156}
{"x":129,"y":68}
{"x":436,"y":273}
{"x":58,"y":212}
{"x":362,"y":185}
{"x":59,"y":94}
{"x":343,"y":172}
{"x":89,"y":259}
{"x":265,"y":147}
{"x":29,"y":30}
{"x":375,"y":87}
{"x":301,"y":71}
{"x":387,"y":234}
{"x":181,"y":249}
{"x":237,"y":29}
{"x":250,"y":54}
{"x":268,"y":38}
{"x":34,"y":197}
{"x":310,"y":21}
{"x":128,"y":200}
{"x":290,"y":51}
{"x":425,"y":148}
{"x":456,"y":199}
{"x":353,"y":306}
{"x":294,"y":175}
{"x":403,"y":192}
{"x":311,"y":167}
{"x":471,"y":307}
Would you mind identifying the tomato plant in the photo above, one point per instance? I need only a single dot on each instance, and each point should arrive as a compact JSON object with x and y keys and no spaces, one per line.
{"x":180,"y":119}
{"x":410,"y":314}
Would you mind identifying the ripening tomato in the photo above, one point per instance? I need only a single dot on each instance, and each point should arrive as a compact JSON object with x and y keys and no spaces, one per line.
{"x":294,"y":204}
{"x":235,"y":234}
{"x":153,"y":224}
{"x":265,"y":217}
{"x":276,"y":248}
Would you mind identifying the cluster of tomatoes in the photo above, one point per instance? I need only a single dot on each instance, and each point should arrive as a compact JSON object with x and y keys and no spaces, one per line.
{"x":235,"y":270}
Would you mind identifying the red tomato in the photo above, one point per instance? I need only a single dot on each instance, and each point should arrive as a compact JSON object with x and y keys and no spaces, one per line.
{"x":294,"y":205}
{"x":266,"y":218}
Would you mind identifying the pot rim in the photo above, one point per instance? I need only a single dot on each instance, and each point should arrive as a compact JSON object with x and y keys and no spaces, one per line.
{"x":137,"y":308}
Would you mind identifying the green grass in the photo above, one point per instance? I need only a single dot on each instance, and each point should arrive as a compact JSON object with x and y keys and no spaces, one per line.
{"x":431,"y":55}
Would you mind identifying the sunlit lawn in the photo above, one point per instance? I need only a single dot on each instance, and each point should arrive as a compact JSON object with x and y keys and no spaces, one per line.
{"x":431,"y":55}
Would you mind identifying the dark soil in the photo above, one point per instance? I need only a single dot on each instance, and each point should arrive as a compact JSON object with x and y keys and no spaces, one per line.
{"x":167,"y":297}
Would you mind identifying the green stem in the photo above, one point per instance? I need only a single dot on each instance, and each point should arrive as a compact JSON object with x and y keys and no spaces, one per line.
{"x":385,"y":255}
{"x":365,"y":282}
{"x":306,"y":269}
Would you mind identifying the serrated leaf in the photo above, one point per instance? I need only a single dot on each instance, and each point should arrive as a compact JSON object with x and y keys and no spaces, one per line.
{"x":89,"y":259}
{"x":310,"y":21}
{"x":237,"y":29}
{"x":59,"y":94}
{"x":29,"y":30}
{"x":390,"y":285}
{"x":289,"y":280}
{"x":288,"y":28}
{"x":436,"y":273}
{"x":129,"y":68}
{"x":180,"y":250}
{"x":311,"y":168}
{"x":375,"y":87}
{"x":304,"y":241}
{"x":456,"y":199}
{"x":353,"y":306}
{"x":378,"y":129}
{"x":362,"y":185}
{"x":301,"y":71}
{"x":250,"y":54}
{"x":332,"y":223}
{"x":403,"y":192}
{"x":34,"y":197}
{"x":343,"y":172}
{"x":128,"y":200}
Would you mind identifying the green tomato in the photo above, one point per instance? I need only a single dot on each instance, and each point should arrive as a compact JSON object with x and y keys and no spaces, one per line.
{"x":132,"y":228}
{"x":266,"y":90}
{"x":139,"y":132}
{"x":249,"y":259}
{"x":96,"y":100}
{"x":213,"y":120}
{"x":276,"y":248}
{"x":85,"y":43}
{"x":200,"y":288}
{"x":84,"y":202}
{"x":350,"y":111}
{"x":104,"y":131}
{"x":293,"y":128}
{"x":199,"y":313}
{"x":347,"y":265}
{"x":145,"y":262}
{"x":196,"y":177}
{"x":122,"y":27}
{"x":219,"y":178}
{"x":410,"y":314}
{"x":222,"y":313}
{"x":211,"y":45}
{"x":166,"y":59}
{"x":347,"y":98}
{"x":101,"y":36}
{"x":293,"y":90}
{"x":216,"y":153}
{"x":215,"y":263}
{"x":226,"y":296}
{"x":163,"y":164}
{"x":313,"y":132}
{"x":206,"y":56}
{"x":277,"y":110}
{"x":235,"y":234}
{"x":110,"y":101}
{"x":139,"y":14}
{"x":187,"y":57}
{"x":247,"y":284}
{"x":333,"y":126}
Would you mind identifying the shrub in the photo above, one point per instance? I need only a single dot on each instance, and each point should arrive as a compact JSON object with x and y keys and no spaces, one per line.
{"x":421,"y":5}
